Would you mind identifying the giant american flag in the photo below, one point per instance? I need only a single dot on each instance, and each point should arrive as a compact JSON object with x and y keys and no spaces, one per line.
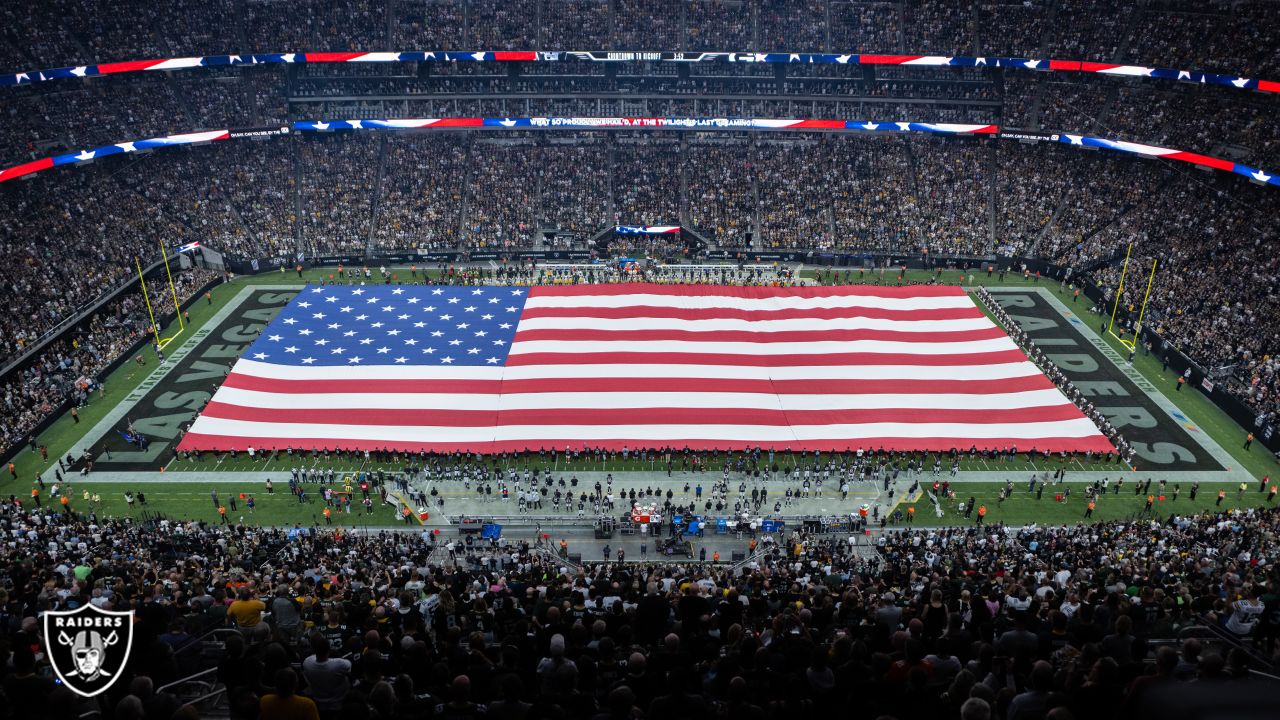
{"x":494,"y":368}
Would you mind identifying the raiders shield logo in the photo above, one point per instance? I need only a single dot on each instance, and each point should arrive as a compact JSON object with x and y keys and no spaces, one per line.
{"x":88,"y":647}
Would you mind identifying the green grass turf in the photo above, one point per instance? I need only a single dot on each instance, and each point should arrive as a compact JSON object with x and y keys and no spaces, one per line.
{"x":193,"y":501}
{"x":1022,"y":507}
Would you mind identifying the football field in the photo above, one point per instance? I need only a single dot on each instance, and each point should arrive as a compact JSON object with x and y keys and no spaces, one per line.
{"x":1180,"y":437}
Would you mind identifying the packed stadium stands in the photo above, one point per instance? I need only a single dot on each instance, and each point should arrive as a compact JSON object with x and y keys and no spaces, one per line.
{"x":989,"y":622}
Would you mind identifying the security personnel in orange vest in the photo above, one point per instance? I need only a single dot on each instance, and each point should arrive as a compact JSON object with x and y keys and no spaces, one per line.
{"x":715,"y":556}
{"x":66,"y":504}
{"x":328,"y":516}
{"x":35,"y":496}
{"x":982,"y":513}
{"x":1088,"y":513}
{"x":911,"y":514}
{"x":1150,"y":500}
{"x":1271,"y":495}
{"x":222,"y":512}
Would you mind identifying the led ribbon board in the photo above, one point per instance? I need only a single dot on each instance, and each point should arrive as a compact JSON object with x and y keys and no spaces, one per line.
{"x":1017,"y":63}
{"x":639,"y":123}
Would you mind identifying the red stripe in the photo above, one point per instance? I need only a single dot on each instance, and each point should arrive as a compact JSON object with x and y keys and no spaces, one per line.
{"x":656,"y":311}
{"x":632,"y":416}
{"x":750,"y":293}
{"x":458,"y":122}
{"x":1098,"y":444}
{"x":886,"y":59}
{"x":550,"y":385}
{"x":514,"y":55}
{"x":1201,"y":160}
{"x":128,"y":66}
{"x":588,"y":335}
{"x":323,"y":57}
{"x":18,"y":171}
{"x":986,"y":130}
{"x":1064,"y":65}
{"x":824,"y":359}
{"x":1094,"y":67}
{"x":818,"y":124}
{"x":1269,"y":85}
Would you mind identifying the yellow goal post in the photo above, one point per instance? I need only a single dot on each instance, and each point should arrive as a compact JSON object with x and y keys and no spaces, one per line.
{"x":1132,"y":341}
{"x":173,"y":295}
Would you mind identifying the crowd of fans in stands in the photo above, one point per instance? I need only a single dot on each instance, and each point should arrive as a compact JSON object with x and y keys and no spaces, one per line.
{"x":70,"y":368}
{"x":276,"y":198}
{"x":500,"y":208}
{"x":980,"y":622}
{"x":1214,"y":296}
{"x":421,"y":193}
{"x":1215,"y":36}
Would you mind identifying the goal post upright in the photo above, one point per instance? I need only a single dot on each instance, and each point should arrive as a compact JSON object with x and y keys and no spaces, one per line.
{"x":146,"y":297}
{"x":1111,"y":327}
{"x":173,"y":292}
{"x":1142,"y":312}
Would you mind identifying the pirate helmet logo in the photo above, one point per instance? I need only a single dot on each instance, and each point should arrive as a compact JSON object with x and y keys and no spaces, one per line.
{"x":88,"y":647}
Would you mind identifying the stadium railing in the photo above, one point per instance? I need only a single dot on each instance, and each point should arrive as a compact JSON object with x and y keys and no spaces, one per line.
{"x":1221,"y":636}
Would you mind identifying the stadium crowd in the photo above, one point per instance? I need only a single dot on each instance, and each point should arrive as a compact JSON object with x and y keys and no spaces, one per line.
{"x":1213,"y":36}
{"x":980,"y":622}
{"x":71,"y":368}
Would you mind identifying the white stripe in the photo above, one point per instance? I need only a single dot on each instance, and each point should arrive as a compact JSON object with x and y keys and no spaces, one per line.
{"x":177,"y":63}
{"x":1140,"y":149}
{"x":194,"y":137}
{"x":996,"y":371}
{"x":255,"y":368}
{"x":661,"y":433}
{"x":376,"y":57}
{"x":817,"y":347}
{"x":415,"y":123}
{"x":956,"y":128}
{"x":708,"y":302}
{"x":929,"y":60}
{"x":1132,"y":70}
{"x":761,"y":326}
{"x":634,"y":400}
